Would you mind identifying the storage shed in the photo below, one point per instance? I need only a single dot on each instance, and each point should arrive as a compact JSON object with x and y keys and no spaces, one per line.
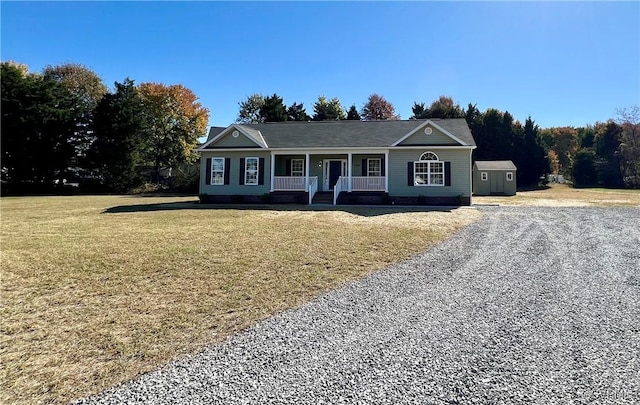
{"x":494,"y":177}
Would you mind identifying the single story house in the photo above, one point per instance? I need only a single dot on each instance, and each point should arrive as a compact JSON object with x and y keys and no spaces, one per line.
{"x":426,"y":162}
{"x":494,"y":177}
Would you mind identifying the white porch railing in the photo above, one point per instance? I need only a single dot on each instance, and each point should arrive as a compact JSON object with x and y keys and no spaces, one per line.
{"x":313,"y":188}
{"x":368,"y":183}
{"x":289,"y":183}
{"x":341,"y":185}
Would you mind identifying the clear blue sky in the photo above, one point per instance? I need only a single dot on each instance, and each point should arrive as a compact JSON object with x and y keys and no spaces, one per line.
{"x":562,"y":63}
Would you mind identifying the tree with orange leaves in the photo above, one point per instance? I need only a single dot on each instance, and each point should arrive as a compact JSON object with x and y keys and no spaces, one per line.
{"x":175,"y":120}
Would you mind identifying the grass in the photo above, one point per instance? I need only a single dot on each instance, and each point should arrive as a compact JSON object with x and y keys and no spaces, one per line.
{"x":96,"y":290}
{"x":562,"y":195}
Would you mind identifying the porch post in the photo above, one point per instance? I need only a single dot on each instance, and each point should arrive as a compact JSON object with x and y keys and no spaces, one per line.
{"x":386,"y":171}
{"x":306,"y":171}
{"x":273,"y":170}
{"x":349,"y":163}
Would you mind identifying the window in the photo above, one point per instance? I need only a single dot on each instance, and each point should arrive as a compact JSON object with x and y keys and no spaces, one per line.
{"x":374,"y":167}
{"x":509,"y":176}
{"x":217,"y":171}
{"x":428,"y":171}
{"x":297,"y":167}
{"x":483,"y":176}
{"x":251,"y":171}
{"x":428,"y":156}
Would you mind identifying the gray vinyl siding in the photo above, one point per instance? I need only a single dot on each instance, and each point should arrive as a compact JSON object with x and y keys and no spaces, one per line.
{"x":435,"y":138}
{"x":481,"y":187}
{"x":495,"y":178}
{"x":460,"y":173}
{"x":228,"y":141}
{"x":234,"y":188}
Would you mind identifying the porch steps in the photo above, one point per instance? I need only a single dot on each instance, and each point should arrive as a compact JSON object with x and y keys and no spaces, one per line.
{"x":323,"y":197}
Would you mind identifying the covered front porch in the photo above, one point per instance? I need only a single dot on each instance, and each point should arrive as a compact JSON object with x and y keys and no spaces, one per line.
{"x":329,"y":171}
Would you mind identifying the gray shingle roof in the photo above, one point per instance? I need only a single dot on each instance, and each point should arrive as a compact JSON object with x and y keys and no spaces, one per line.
{"x":344,"y":134}
{"x":495,"y":165}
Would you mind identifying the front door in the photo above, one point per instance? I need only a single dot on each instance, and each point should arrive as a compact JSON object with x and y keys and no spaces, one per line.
{"x":496,"y":183}
{"x":333,"y":169}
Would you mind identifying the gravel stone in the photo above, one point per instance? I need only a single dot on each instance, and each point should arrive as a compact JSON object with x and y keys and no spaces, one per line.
{"x":528,"y":305}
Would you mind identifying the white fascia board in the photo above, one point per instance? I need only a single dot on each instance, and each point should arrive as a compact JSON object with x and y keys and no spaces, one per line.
{"x":226,"y":131}
{"x":438,"y":127}
{"x":461,"y":147}
{"x":334,"y":151}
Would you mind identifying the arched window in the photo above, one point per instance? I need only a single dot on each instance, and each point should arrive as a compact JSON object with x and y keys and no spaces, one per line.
{"x":428,"y":156}
{"x":428,"y":170}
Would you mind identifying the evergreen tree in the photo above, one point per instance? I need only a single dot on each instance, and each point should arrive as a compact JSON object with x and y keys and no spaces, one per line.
{"x":119,"y":128}
{"x":297,"y":112}
{"x":249,"y":112}
{"x":328,"y":110}
{"x":353,"y":114}
{"x":273,"y":109}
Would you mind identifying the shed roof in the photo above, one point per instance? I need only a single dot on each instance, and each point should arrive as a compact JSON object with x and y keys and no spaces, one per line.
{"x":495,"y":165}
{"x":345,"y":133}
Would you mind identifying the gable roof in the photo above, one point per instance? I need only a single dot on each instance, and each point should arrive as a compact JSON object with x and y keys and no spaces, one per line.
{"x":251,"y":133}
{"x":495,"y":165}
{"x":342,"y":134}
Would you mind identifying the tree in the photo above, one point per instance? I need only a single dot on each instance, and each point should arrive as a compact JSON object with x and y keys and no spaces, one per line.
{"x":119,"y":128}
{"x":84,"y":89}
{"x":629,"y":120}
{"x":607,"y":148}
{"x":273,"y":110}
{"x":250,"y":109}
{"x":328,"y":110}
{"x":419,"y":111}
{"x":443,"y":107}
{"x":353,"y":114}
{"x":174,"y":122}
{"x":564,"y":142}
{"x":36,"y":122}
{"x":494,"y":135}
{"x":529,"y":156}
{"x":583,"y":171}
{"x":378,"y":108}
{"x":297,"y":112}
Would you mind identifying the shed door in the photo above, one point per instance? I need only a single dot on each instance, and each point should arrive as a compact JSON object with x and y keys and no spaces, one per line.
{"x":496,"y":183}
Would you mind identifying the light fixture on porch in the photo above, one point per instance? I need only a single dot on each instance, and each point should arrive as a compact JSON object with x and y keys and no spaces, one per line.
{"x":319,"y":163}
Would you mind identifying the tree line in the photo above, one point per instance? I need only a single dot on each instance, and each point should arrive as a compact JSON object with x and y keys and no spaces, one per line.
{"x":63,"y":124}
{"x":606,"y":154}
{"x":497,"y":134}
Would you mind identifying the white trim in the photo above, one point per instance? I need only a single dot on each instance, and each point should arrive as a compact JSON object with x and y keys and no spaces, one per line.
{"x":428,"y":173}
{"x":226,"y":131}
{"x":438,"y":127}
{"x":306,"y":173}
{"x":369,"y":165}
{"x":470,"y":177}
{"x":484,"y":176}
{"x":334,"y":151}
{"x":263,"y":141}
{"x":509,"y":176}
{"x":298,"y":171}
{"x":420,"y":159}
{"x":272,"y":169}
{"x":349,"y":172}
{"x":386,"y":172}
{"x":211,"y":183}
{"x":246,"y":161}
{"x":326,"y":163}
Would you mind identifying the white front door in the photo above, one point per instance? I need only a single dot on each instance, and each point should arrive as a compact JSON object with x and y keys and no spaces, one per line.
{"x":332,"y":169}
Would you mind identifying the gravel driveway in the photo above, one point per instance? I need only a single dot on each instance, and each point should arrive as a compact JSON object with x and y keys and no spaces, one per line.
{"x":529,"y":305}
